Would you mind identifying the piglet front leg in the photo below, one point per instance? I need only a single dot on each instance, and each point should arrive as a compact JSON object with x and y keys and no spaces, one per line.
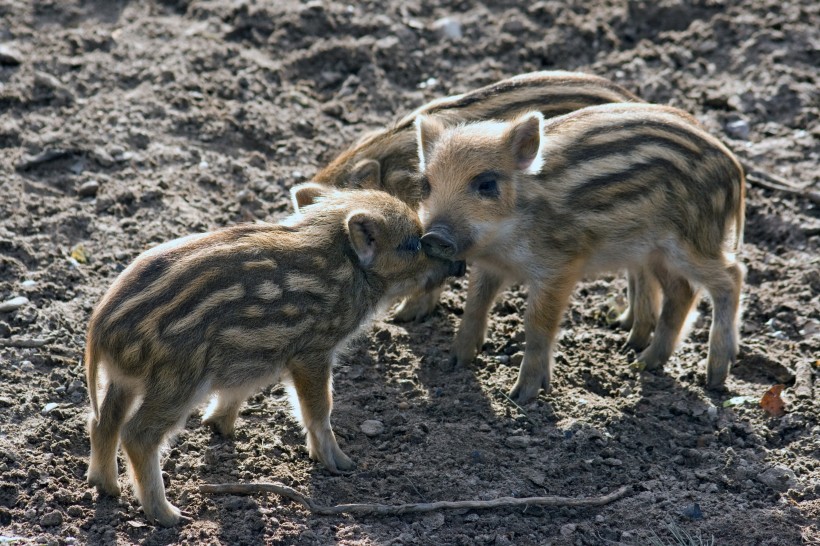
{"x":484,"y":287}
{"x":311,"y":379}
{"x":545,"y":307}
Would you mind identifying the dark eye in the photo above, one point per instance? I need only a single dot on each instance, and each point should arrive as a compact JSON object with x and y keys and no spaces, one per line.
{"x":486,"y":185}
{"x":424,"y":187}
{"x":411,"y":244}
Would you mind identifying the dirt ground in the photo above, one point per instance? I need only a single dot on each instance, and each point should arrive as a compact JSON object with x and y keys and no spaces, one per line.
{"x":125,"y":124}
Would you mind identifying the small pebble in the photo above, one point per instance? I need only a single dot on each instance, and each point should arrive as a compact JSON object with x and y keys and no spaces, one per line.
{"x":738,"y":129}
{"x":10,"y":56}
{"x":48,"y":408}
{"x":51,"y":519}
{"x":13,"y":304}
{"x":26,"y":366}
{"x":203,"y":165}
{"x":89,"y":189}
{"x":28,"y":283}
{"x":568,"y":529}
{"x":519,"y":442}
{"x":779,"y":478}
{"x":692,"y":512}
{"x":372,"y":427}
{"x":447,"y":27}
{"x":245,"y":196}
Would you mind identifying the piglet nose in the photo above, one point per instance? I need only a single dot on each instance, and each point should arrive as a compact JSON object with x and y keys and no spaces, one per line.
{"x":438,"y":244}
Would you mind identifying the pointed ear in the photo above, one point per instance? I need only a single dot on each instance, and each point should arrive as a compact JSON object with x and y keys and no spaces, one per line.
{"x":306,"y":194}
{"x":523,"y":140}
{"x":365,"y":229}
{"x":428,"y":131}
{"x":366,"y":174}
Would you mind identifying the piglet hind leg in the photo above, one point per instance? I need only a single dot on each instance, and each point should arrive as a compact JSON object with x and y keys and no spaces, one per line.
{"x":678,"y":299}
{"x":724,"y":287}
{"x":545,"y":307}
{"x":105,"y":435}
{"x":312,"y":381}
{"x":166,"y":404}
{"x":641,"y":315}
{"x":224,"y":409}
{"x":484,"y":287}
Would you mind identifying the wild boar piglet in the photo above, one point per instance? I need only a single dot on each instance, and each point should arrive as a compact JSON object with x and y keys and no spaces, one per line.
{"x":620,"y":186}
{"x":387,"y":159}
{"x":234,"y":310}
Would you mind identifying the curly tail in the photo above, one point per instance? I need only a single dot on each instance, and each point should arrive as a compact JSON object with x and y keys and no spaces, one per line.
{"x":91,"y":367}
{"x":740,"y":220}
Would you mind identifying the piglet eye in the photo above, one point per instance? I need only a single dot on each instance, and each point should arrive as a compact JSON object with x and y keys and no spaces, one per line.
{"x":424,"y":187}
{"x":486,"y":185}
{"x":412,"y":244}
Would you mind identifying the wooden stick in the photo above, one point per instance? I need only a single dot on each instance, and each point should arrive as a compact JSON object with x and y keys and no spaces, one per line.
{"x":768,"y":181}
{"x":414,"y":508}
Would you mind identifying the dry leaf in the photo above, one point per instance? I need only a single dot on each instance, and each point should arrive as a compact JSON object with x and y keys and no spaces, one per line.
{"x":80,"y":254}
{"x":772,"y":403}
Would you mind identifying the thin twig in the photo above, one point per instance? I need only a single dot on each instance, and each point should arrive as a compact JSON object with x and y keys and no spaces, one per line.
{"x":772,"y":182}
{"x":415,"y":508}
{"x":513,"y":402}
{"x":26,"y":343}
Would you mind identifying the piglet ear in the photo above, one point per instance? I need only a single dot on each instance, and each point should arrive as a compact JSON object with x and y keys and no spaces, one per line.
{"x":365,"y":230}
{"x":306,"y":194}
{"x":366,"y":175}
{"x":428,"y":131}
{"x":523,"y":139}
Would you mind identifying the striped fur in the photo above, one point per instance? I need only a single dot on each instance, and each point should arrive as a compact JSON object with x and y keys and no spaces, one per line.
{"x":387,"y":159}
{"x":233,"y":310}
{"x":393,"y":149}
{"x":619,"y":186}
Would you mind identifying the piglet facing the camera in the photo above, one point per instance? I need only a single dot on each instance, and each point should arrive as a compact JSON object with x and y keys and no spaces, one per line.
{"x":231,"y":311}
{"x":620,"y":186}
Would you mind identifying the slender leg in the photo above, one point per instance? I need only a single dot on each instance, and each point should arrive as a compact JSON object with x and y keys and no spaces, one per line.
{"x":544,"y":310}
{"x":418,"y":306}
{"x":725,"y":292}
{"x":484,"y":287}
{"x":312,"y":381}
{"x":678,"y":299}
{"x":105,"y":435}
{"x":164,"y":406}
{"x":224,"y":409}
{"x":625,"y":320}
{"x":644,"y":303}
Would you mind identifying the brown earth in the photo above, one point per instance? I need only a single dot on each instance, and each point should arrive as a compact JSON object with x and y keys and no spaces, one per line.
{"x":176,"y":116}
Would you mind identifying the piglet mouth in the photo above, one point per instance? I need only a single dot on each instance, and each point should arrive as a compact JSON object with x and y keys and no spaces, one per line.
{"x":458,"y":268}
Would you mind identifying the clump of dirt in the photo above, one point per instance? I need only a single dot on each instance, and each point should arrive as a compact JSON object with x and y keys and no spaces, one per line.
{"x":125,"y":124}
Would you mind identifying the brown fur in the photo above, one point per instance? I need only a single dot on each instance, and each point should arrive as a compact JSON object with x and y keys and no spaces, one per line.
{"x":387,"y":159}
{"x":632,"y":186}
{"x":233,"y":310}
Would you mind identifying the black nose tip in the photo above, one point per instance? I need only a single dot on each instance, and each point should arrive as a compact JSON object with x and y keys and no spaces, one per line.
{"x":438,"y":245}
{"x":458,"y":269}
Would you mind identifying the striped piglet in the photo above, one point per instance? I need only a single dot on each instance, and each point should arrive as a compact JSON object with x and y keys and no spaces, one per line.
{"x":231,"y":311}
{"x":619,"y":186}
